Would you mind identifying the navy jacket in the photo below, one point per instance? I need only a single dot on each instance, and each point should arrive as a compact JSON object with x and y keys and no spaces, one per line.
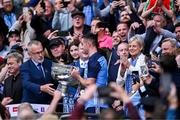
{"x":33,"y":79}
{"x":113,"y":69}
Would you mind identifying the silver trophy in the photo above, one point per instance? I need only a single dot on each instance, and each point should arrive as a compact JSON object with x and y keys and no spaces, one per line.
{"x":62,"y":73}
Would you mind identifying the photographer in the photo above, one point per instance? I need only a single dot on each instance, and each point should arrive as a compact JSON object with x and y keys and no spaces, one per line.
{"x":127,"y":66}
{"x":62,"y":17}
{"x":22,"y":25}
{"x":42,"y":21}
{"x":117,"y":5}
{"x":130,"y":70}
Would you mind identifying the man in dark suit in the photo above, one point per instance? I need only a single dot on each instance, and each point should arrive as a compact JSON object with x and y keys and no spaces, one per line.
{"x":13,"y":83}
{"x":36,"y":76}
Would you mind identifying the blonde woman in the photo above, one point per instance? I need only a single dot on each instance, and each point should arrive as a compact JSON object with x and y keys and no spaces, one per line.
{"x":132,"y":69}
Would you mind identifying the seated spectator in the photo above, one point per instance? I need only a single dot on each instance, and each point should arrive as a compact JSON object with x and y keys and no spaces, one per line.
{"x":13,"y":84}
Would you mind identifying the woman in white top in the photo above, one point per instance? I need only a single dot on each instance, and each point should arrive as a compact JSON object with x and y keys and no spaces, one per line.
{"x":135,"y":63}
{"x":128,"y":67}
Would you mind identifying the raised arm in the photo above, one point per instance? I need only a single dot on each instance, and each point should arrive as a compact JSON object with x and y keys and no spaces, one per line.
{"x":146,"y":12}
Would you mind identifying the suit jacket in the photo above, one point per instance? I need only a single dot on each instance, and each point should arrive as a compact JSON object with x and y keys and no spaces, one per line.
{"x":33,"y":79}
{"x":13,"y":88}
{"x":112,"y":67}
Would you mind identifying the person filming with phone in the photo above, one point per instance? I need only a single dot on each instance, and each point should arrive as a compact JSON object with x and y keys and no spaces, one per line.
{"x":130,"y":69}
{"x":62,"y":19}
{"x":42,"y":21}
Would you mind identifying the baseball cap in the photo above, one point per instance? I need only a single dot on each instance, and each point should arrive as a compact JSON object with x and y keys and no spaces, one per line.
{"x":56,"y":42}
{"x":13,"y":32}
{"x":80,"y":13}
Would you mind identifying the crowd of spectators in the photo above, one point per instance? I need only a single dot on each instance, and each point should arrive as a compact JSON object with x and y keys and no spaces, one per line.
{"x":125,"y":56}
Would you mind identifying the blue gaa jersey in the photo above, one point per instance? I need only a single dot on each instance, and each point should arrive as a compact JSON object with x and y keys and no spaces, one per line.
{"x":97,"y":68}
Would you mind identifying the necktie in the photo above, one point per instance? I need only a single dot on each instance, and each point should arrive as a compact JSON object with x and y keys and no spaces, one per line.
{"x":40,"y":69}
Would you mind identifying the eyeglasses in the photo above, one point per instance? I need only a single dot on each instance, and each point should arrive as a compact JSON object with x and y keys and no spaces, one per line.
{"x":37,"y":53}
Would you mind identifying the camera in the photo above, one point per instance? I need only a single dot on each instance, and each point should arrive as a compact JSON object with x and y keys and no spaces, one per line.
{"x":104,"y":95}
